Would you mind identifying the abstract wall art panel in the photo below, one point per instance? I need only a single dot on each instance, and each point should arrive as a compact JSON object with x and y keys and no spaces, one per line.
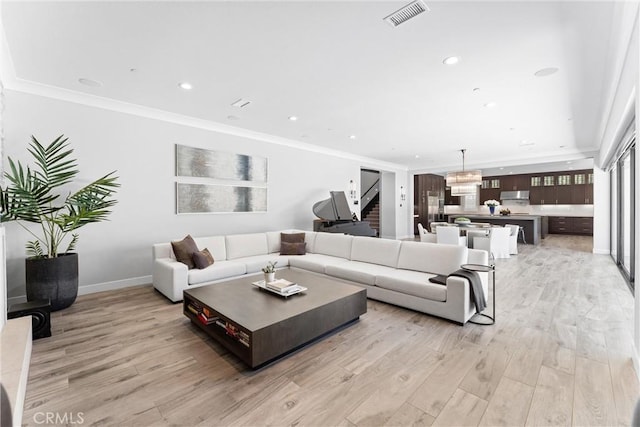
{"x":201,"y":163}
{"x":200,"y":198}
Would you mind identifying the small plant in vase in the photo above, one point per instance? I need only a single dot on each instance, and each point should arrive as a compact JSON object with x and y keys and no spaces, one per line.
{"x":492,"y":205}
{"x":269,"y":272}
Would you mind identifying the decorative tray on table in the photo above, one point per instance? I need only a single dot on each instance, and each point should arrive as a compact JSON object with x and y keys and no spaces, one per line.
{"x":281,"y":287}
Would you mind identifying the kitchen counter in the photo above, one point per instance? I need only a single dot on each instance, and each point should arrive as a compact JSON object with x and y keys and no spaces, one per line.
{"x":535,"y":226}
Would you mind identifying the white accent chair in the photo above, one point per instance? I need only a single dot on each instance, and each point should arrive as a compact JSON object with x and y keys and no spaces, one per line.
{"x":497,"y":243}
{"x":425,"y":236}
{"x":450,"y":236}
{"x":513,"y":238}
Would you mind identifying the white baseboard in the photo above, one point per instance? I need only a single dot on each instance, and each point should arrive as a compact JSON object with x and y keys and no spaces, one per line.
{"x":116,"y":284}
{"x":97,"y":287}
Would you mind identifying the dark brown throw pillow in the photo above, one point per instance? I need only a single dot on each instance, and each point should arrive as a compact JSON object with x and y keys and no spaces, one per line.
{"x":184,"y":250}
{"x":202,"y":259}
{"x":292,"y":237}
{"x":287,"y":248}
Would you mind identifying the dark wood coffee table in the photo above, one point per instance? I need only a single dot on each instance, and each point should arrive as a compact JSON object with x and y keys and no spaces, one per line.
{"x":259,"y":326}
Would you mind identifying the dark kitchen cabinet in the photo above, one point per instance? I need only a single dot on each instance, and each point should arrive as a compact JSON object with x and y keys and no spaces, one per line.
{"x":570,"y":225}
{"x":490,"y":188}
{"x":582,"y":188}
{"x":515,"y":182}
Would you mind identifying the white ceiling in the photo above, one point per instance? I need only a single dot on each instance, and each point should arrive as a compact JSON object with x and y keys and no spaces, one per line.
{"x":342,"y":70}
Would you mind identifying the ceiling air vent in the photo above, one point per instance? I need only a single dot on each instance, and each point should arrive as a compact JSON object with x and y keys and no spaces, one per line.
{"x":241,"y":103}
{"x":411,"y":10}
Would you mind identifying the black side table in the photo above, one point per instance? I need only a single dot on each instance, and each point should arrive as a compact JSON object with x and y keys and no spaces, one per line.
{"x":491,"y":269}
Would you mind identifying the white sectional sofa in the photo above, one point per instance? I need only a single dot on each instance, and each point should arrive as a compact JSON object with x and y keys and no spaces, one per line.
{"x":392,"y":271}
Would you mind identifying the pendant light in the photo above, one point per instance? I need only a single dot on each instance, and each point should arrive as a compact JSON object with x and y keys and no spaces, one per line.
{"x":464,"y":183}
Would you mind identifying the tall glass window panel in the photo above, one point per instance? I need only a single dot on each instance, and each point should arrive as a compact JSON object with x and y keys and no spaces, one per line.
{"x":626,"y":200}
{"x":614,"y":213}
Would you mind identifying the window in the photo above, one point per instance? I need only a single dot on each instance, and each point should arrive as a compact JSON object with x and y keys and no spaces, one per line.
{"x":495,"y":183}
{"x":536,"y":181}
{"x":549,"y":181}
{"x":623,"y":213}
{"x":579,"y":178}
{"x":564,"y":180}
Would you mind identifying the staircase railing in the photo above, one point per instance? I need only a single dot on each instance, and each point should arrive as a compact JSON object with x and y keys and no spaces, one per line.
{"x":369,"y":207}
{"x":368,"y":198}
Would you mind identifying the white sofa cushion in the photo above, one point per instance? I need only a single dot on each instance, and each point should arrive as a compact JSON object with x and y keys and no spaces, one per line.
{"x":375,"y":251}
{"x":432,"y":257}
{"x":254,"y":264}
{"x":412,"y":283}
{"x":218,"y":270}
{"x":273,"y":241}
{"x":333,"y":244}
{"x":310,"y":240}
{"x":244,"y":245}
{"x":315,"y":262}
{"x":216,"y":246}
{"x":357,"y":271}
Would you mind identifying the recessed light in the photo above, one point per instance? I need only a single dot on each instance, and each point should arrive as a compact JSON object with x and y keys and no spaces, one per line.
{"x":233,"y":117}
{"x":569,"y":162}
{"x":510,"y":172}
{"x":293,"y":118}
{"x":476,"y":89}
{"x":501,"y":168}
{"x":133,"y":70}
{"x":490,"y":104}
{"x":185,"y":85}
{"x":89,"y":82}
{"x":352,"y":137}
{"x":545,"y":72}
{"x":512,"y":128}
{"x":452,"y":60}
{"x":562,"y":146}
{"x":525,"y":143}
{"x":417,"y":156}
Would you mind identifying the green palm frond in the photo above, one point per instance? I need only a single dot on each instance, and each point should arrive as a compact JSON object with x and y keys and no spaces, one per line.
{"x":34,"y":249}
{"x":72,"y":243}
{"x":31,"y":195}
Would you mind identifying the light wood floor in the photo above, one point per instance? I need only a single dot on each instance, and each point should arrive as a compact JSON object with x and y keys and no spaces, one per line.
{"x":560,"y":354}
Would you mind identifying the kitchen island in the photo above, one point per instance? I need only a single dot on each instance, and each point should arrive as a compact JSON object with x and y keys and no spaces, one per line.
{"x":535,"y":227}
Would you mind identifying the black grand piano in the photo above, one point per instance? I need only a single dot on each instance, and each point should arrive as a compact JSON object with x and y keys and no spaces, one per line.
{"x":336,"y":217}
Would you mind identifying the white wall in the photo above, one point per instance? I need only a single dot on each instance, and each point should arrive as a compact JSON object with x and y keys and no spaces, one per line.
{"x":118,"y":252}
{"x":601,"y":212}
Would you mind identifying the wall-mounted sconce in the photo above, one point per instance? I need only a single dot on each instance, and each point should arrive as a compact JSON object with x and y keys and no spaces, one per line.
{"x":403,"y":194}
{"x":352,"y":189}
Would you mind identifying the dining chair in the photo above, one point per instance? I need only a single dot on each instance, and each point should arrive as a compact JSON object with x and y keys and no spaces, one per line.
{"x":478,"y":232}
{"x":434,"y":224}
{"x":425,"y":236}
{"x":497,"y":243}
{"x":513,"y":238}
{"x":450,"y":236}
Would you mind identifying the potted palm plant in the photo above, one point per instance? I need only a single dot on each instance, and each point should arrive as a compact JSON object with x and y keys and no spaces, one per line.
{"x":37,"y":195}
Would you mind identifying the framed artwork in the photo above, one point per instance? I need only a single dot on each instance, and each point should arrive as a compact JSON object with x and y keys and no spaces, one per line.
{"x":204,"y":198}
{"x":202,"y":163}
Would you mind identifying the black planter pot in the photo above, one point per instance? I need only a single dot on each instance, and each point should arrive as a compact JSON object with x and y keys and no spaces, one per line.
{"x":55,"y":279}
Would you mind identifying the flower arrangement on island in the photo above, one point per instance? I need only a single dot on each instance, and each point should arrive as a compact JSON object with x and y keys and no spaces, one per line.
{"x":491,"y":203}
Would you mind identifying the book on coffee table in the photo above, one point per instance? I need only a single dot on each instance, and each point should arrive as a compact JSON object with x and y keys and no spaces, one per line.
{"x":286,"y":291}
{"x":281,"y":285}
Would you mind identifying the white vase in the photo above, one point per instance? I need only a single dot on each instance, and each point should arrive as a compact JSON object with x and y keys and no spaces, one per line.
{"x":269,"y":277}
